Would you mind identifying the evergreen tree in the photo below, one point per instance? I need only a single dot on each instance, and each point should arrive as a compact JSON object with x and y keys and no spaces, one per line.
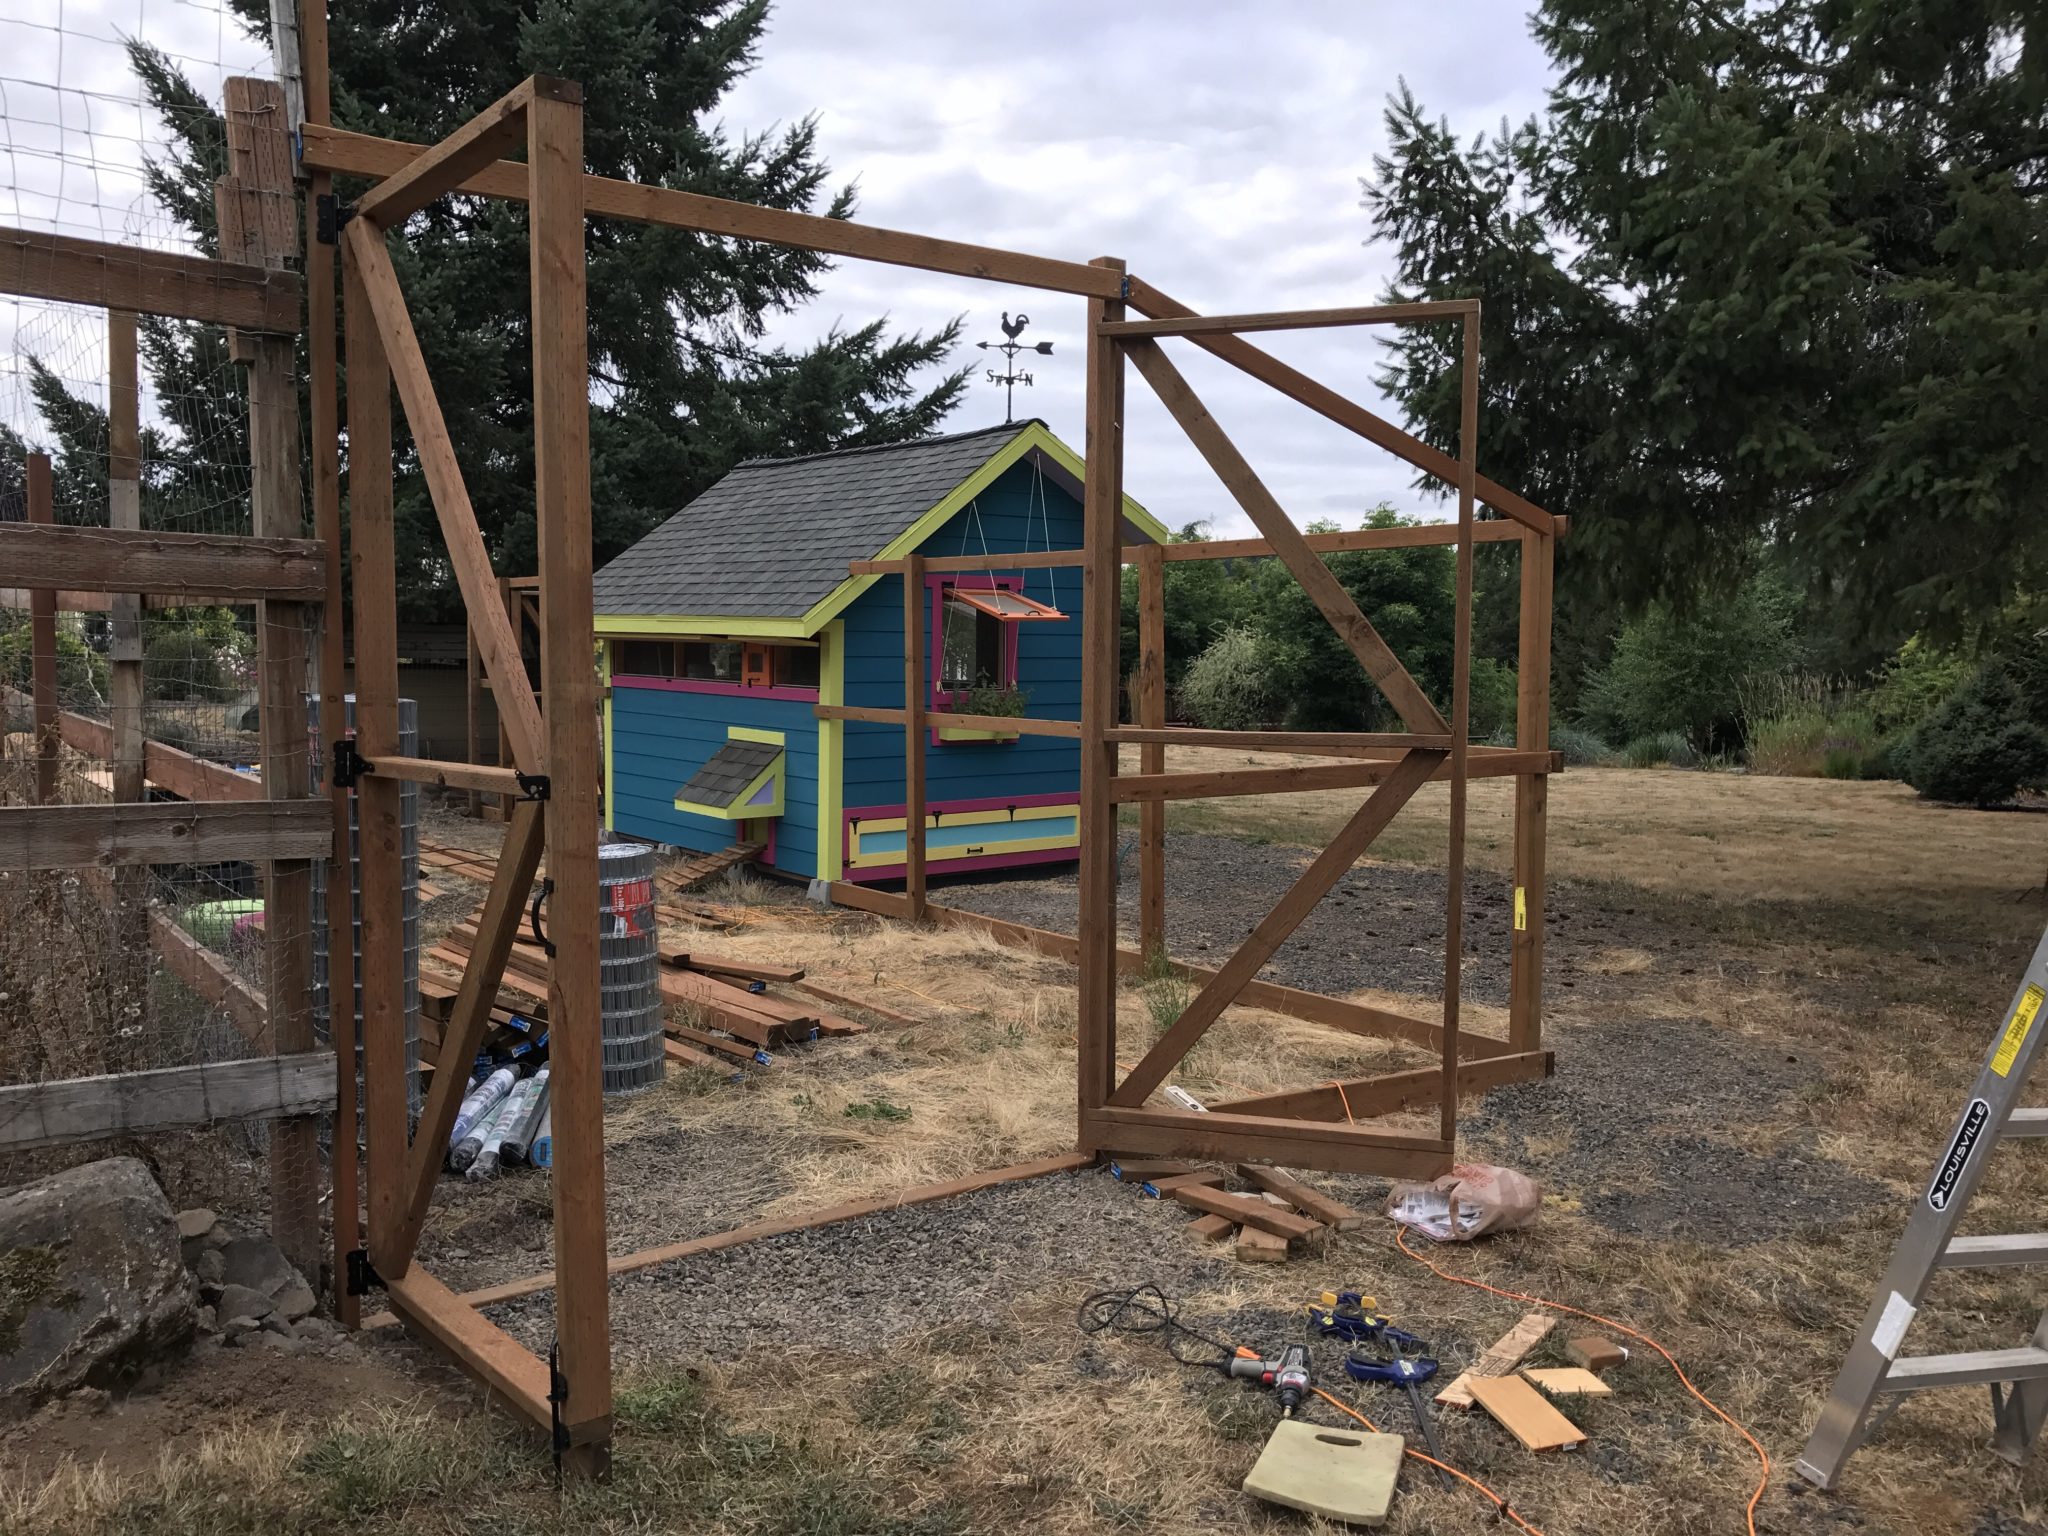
{"x":683,"y":383}
{"x":1761,"y":277}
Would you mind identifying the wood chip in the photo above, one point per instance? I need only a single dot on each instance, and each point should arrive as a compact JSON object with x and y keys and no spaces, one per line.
{"x":1568,"y":1381}
{"x":1501,"y":1357}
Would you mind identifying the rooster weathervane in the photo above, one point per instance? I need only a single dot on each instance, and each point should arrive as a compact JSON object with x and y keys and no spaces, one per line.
{"x":1010,"y":378}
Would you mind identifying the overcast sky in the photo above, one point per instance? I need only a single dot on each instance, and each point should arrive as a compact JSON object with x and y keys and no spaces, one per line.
{"x":1214,"y":146}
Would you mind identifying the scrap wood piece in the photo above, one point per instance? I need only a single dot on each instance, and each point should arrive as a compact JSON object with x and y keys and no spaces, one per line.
{"x":1567,"y":1381}
{"x":1256,"y":1247}
{"x":1209,"y":1228}
{"x":1166,"y":1184}
{"x":746,"y":1054}
{"x":1284,"y":1225}
{"x":1136,"y":1170}
{"x":688,"y":1056}
{"x":1501,"y":1357}
{"x":1313,"y":1203}
{"x":728,"y":965}
{"x":846,"y":1000}
{"x":1595,"y":1352}
{"x":1524,"y":1413}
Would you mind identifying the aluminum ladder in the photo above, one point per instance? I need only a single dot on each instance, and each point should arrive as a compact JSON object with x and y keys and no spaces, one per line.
{"x":2018,"y":1378}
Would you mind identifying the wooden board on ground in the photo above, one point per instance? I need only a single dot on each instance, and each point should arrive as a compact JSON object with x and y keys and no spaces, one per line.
{"x":1313,"y":1203}
{"x":1501,"y":1357}
{"x":1522,"y":1411}
{"x":1283,"y":1224}
{"x":1166,"y":1184}
{"x":1210,"y":1228}
{"x":1256,"y":1247}
{"x":1136,"y":1170}
{"x":1568,"y":1381}
{"x":848,"y":1000}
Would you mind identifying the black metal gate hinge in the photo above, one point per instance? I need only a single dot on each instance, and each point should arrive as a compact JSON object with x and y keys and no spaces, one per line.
{"x":361,"y":1275}
{"x":349,"y":764}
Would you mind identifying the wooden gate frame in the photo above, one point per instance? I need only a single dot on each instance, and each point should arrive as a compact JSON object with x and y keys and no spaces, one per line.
{"x":559,"y":741}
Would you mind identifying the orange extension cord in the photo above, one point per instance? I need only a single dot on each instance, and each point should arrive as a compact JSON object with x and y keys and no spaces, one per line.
{"x":1763,"y":1457}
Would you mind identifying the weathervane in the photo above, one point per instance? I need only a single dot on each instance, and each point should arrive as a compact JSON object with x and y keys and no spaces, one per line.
{"x":1011,"y":378}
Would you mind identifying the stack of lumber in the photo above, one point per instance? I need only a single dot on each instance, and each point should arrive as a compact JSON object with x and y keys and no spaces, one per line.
{"x":470,"y":864}
{"x":512,"y":1016}
{"x":444,"y":858}
{"x":696,"y":868}
{"x":1276,"y":1218}
{"x":729,"y":1019}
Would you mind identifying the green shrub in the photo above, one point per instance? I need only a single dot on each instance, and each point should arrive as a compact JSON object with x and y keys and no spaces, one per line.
{"x":81,"y":671}
{"x":1985,"y":744}
{"x":1663,"y":749}
{"x":1492,"y":699}
{"x":1229,"y":687}
{"x":1799,"y":725}
{"x":1580,"y":748}
{"x":1914,"y":683}
{"x":1007,"y":702}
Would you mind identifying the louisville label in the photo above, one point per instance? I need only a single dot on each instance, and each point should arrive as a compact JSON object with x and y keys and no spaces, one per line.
{"x":1968,"y":1134}
{"x":2016,"y":1030}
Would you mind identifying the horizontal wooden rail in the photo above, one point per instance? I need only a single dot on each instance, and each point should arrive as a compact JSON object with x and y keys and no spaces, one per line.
{"x":1390,"y":1093}
{"x":426,"y":770}
{"x":78,"y":1109}
{"x":1137,"y":788}
{"x":1023,"y":725}
{"x":107,"y":275}
{"x":356,"y":154}
{"x":103,"y":602}
{"x":192,"y":832}
{"x":1325,"y":743}
{"x":1419,"y":536}
{"x":477,"y":143}
{"x":142,"y":560}
{"x":208,"y":976}
{"x":1293,"y":319}
{"x":1263,"y":1139}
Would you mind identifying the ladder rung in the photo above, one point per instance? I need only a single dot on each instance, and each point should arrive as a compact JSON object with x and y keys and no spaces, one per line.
{"x":2027,"y":1363}
{"x":1991,"y":1252}
{"x":2027,"y":1122}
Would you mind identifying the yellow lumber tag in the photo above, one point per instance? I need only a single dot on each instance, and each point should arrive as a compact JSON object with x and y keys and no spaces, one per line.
{"x":1521,"y":910}
{"x":2016,"y":1030}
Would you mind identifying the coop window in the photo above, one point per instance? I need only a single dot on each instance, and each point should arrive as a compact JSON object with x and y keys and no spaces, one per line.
{"x":713,"y":661}
{"x":646,"y":658}
{"x":796,"y":666}
{"x":971,"y":651}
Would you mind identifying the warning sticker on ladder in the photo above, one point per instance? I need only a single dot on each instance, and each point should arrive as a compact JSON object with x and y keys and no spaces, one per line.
{"x":2016,"y":1030}
{"x":1890,"y":1331}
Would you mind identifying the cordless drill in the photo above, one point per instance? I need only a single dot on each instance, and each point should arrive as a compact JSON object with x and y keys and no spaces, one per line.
{"x":1287,"y":1376}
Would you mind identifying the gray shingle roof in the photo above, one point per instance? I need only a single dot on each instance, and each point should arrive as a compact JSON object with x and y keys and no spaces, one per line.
{"x":773,"y":537}
{"x":731,"y":769}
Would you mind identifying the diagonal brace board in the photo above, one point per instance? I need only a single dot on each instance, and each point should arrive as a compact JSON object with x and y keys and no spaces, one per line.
{"x":1288,"y":541}
{"x":494,"y":637}
{"x":1352,"y":839}
{"x":448,"y":164}
{"x":467,"y":1022}
{"x":1325,"y":401}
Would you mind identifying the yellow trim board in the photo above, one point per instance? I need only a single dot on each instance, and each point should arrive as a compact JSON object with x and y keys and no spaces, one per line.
{"x":831,"y":747}
{"x":697,"y":626}
{"x":753,"y":733}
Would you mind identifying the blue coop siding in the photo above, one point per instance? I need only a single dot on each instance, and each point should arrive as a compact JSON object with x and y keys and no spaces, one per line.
{"x":660,"y":737}
{"x":1007,"y":517}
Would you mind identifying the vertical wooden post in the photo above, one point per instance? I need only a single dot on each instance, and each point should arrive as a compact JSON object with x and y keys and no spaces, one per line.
{"x":259,"y":189}
{"x":42,"y":641}
{"x":378,"y":836}
{"x":1532,"y":792}
{"x":561,"y":426}
{"x":473,"y":689}
{"x":913,"y":732}
{"x":1151,"y":712}
{"x":124,"y":654}
{"x":1461,"y":716}
{"x":502,"y":804}
{"x":322,"y":391}
{"x":1101,"y":622}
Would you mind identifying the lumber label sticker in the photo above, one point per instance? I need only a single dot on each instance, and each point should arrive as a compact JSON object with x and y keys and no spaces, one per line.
{"x":1960,"y":1151}
{"x":2017,"y":1028}
{"x":1892,"y":1323}
{"x":1521,"y":910}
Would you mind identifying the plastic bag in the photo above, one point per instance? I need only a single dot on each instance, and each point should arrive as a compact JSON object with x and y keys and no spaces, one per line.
{"x":1470,"y":1201}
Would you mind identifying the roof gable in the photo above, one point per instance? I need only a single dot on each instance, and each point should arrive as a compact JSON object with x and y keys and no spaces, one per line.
{"x":769,"y":544}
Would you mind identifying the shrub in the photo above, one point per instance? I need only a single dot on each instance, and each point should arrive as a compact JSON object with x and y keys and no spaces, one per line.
{"x":1663,"y":749}
{"x":1492,"y":699}
{"x":1799,"y":725}
{"x":991,"y":700}
{"x":1579,"y":748}
{"x":1914,"y":683}
{"x":1983,"y":745}
{"x":81,"y":671}
{"x":1229,"y":687}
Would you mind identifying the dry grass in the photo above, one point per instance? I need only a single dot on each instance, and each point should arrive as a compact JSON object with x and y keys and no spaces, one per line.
{"x":1729,"y":837}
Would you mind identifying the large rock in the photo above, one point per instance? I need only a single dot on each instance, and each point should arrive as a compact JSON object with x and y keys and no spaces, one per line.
{"x":93,"y":1287}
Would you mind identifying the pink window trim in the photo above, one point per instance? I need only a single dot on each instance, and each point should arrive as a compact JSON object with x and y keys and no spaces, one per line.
{"x":942,"y":698}
{"x":705,"y":685}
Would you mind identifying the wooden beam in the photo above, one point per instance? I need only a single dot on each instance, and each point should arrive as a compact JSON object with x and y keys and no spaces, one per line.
{"x":561,"y":435}
{"x":1461,"y":719}
{"x":79,"y":1109}
{"x":1101,"y":623}
{"x":1261,"y":1139}
{"x":1149,"y":695}
{"x":42,"y":632}
{"x":1389,"y":1093}
{"x":425,"y":770}
{"x":334,"y":149}
{"x":1295,"y":319}
{"x":1246,"y":1210}
{"x":1311,"y":1202}
{"x":1325,"y":401}
{"x":753,"y":1232}
{"x":195,"y":832}
{"x":1324,"y":590}
{"x":470,"y":1017}
{"x":1381,"y":744}
{"x":914,"y":623}
{"x":1022,"y":725}
{"x":208,"y":976}
{"x":1223,"y":988}
{"x":106,"y":275}
{"x":127,"y":746}
{"x":142,"y":560}
{"x":1203,"y":784}
{"x":446,"y":165}
{"x":515,"y":1376}
{"x":1532,"y":794}
{"x":517,"y":710}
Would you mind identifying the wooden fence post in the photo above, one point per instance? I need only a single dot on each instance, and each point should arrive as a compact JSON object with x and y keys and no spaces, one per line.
{"x":42,"y":642}
{"x":1532,"y":792}
{"x":913,"y":732}
{"x":126,"y":729}
{"x":1151,"y":712}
